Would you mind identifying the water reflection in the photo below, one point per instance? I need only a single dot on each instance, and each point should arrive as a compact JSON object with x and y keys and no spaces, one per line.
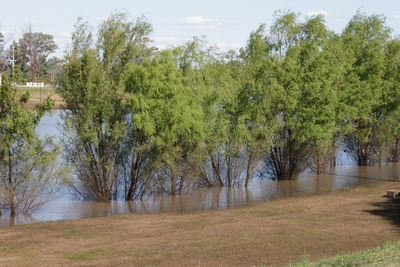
{"x":48,"y":125}
{"x":215,"y":198}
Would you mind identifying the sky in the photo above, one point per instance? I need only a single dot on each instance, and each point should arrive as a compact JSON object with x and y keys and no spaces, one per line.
{"x":226,"y":24}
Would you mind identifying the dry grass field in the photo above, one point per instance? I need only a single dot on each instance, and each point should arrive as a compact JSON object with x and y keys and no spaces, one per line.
{"x":38,"y":94}
{"x":277,"y":233}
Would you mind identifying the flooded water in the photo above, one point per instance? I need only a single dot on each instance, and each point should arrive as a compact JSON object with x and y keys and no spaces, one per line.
{"x":208,"y":198}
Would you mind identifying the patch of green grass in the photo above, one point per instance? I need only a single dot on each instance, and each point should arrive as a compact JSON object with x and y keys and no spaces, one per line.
{"x":102,"y":253}
{"x":87,"y":255}
{"x":388,"y":255}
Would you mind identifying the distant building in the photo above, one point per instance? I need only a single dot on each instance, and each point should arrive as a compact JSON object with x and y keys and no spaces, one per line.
{"x":34,"y":84}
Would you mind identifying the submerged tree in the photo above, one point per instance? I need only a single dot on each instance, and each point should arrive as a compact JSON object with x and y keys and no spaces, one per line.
{"x":257,"y":99}
{"x":164,"y":110}
{"x":306,"y":77}
{"x":220,"y":157}
{"x":391,"y":125}
{"x":96,"y":141}
{"x":140,"y":120}
{"x":29,"y":175}
{"x":365,"y":94}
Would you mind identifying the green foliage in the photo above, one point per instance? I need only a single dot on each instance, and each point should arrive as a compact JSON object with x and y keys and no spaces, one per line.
{"x":164,"y":110}
{"x":388,"y":255}
{"x":304,"y":73}
{"x":143,"y":120}
{"x":96,"y":123}
{"x":33,"y":49}
{"x":28,"y":173}
{"x":365,"y":94}
{"x":3,"y":56}
{"x":390,"y":133}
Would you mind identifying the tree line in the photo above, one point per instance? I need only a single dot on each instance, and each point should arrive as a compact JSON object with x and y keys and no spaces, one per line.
{"x":141,"y":121}
{"x":28,"y":59}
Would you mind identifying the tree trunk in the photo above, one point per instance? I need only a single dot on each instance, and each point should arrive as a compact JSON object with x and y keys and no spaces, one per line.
{"x":32,"y":59}
{"x":248,"y":171}
{"x":133,"y":181}
{"x":173,"y":191}
{"x":395,"y":150}
{"x":229,"y":172}
{"x":11,"y":196}
{"x":181,"y":183}
{"x":216,"y":171}
{"x":228,"y":166}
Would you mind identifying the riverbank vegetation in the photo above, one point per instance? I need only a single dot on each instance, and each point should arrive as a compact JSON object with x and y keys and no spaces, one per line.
{"x":29,"y":175}
{"x":278,"y":233}
{"x":28,"y":59}
{"x":140,"y":121}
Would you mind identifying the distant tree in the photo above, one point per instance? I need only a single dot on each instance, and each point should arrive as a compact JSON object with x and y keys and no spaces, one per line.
{"x":3,"y":54}
{"x":1,"y":41}
{"x":20,"y":62}
{"x":29,"y":175}
{"x":34,"y":49}
{"x":52,"y":69}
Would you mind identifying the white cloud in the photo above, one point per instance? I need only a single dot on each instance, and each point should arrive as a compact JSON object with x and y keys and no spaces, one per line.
{"x":198,"y":20}
{"x":65,"y":34}
{"x":199,"y":23}
{"x":318,"y":13}
{"x":397,"y":17}
{"x":228,"y":46}
{"x":200,"y":27}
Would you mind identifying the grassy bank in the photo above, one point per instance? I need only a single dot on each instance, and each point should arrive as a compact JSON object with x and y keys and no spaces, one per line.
{"x":279,"y":232}
{"x":38,"y":94}
{"x":388,"y":255}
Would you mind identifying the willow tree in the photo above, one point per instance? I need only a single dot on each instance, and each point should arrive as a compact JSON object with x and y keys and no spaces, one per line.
{"x":391,"y":125}
{"x":257,"y":95}
{"x":165,"y":109}
{"x":306,"y":98}
{"x":96,"y":139}
{"x":221,"y":159}
{"x":323,"y":65}
{"x":365,"y":94}
{"x":29,"y":175}
{"x":222,"y":155}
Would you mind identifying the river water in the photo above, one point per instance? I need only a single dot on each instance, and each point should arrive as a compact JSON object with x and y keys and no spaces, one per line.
{"x":206,"y":198}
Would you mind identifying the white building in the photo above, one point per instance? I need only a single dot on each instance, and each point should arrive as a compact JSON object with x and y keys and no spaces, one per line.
{"x":34,"y":84}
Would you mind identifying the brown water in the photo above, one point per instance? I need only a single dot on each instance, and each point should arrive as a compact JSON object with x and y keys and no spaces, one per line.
{"x":216,"y":198}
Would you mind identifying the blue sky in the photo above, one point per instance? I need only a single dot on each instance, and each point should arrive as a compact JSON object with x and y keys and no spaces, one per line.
{"x":226,"y":24}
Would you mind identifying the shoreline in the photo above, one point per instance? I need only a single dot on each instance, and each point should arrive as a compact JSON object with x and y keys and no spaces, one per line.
{"x":279,"y":232}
